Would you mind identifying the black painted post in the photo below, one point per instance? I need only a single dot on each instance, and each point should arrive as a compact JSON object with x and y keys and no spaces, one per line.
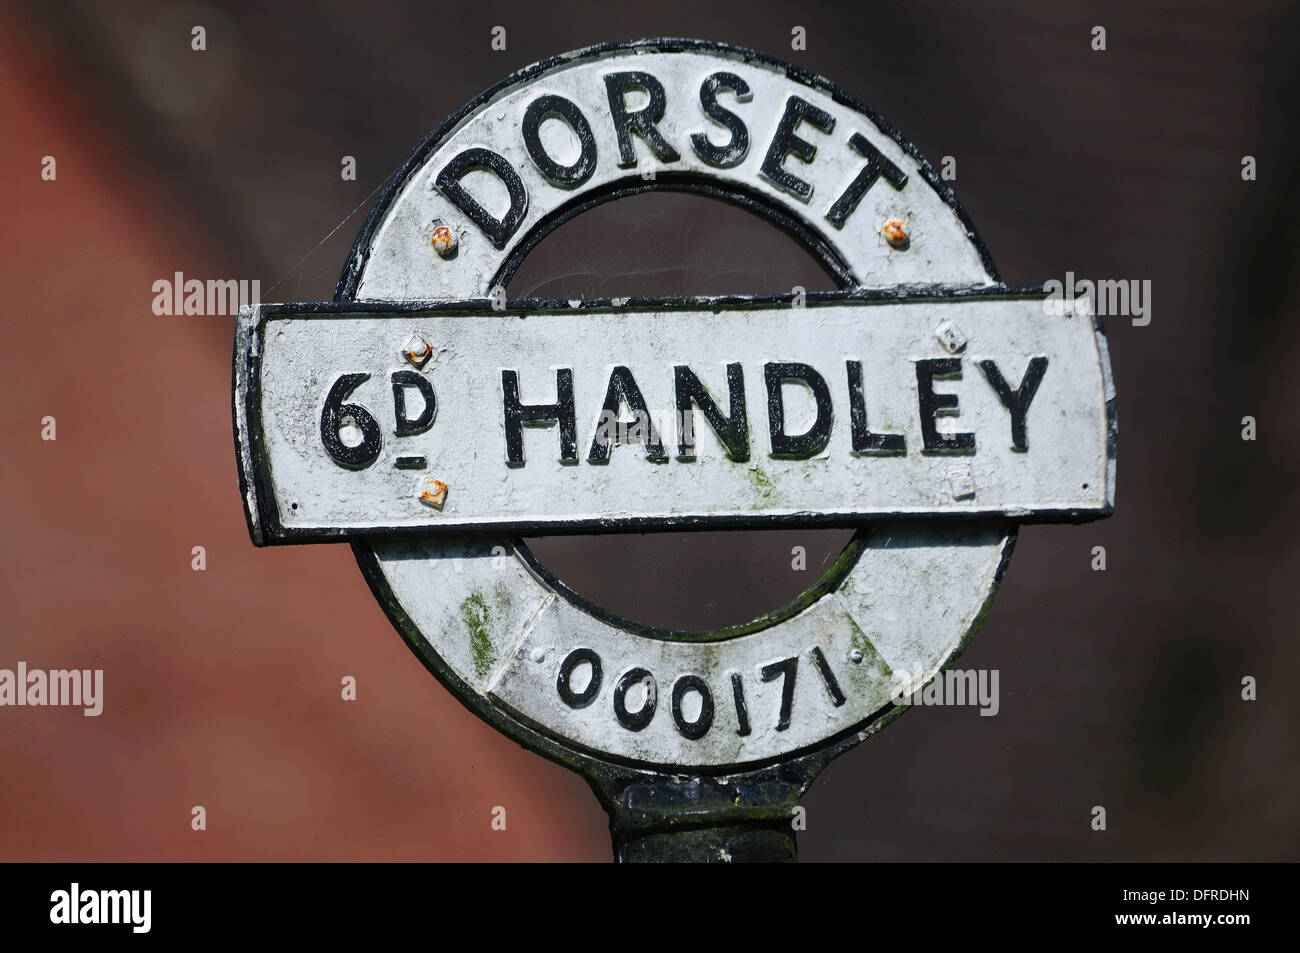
{"x":694,"y":819}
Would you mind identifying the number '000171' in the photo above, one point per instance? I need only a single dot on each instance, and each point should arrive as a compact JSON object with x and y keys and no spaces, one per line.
{"x":635,"y":698}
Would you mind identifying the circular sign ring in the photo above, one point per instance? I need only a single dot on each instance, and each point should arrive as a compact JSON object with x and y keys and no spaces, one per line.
{"x":502,"y":635}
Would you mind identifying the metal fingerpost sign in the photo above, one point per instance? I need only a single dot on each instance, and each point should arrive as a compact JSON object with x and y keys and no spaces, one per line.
{"x":431,"y":423}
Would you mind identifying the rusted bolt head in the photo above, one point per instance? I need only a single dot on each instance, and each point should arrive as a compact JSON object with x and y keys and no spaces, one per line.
{"x":444,"y":241}
{"x":895,"y":232}
{"x":416,"y":350}
{"x":433,"y":493}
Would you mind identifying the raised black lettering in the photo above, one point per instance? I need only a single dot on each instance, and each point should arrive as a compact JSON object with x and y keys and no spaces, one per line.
{"x":704,"y":721}
{"x":814,"y":440}
{"x":877,"y":167}
{"x":498,"y":230}
{"x":828,"y":677}
{"x":786,"y":669}
{"x":1017,"y":401}
{"x":564,"y":681}
{"x":864,"y":441}
{"x":539,"y":415}
{"x":934,"y":405}
{"x":742,"y":710}
{"x":335,"y":413}
{"x":735,"y":150}
{"x":635,"y":720}
{"x":405,"y":427}
{"x":786,"y":143}
{"x":640,"y":122}
{"x":611,"y":430}
{"x":557,"y":107}
{"x":732,"y":431}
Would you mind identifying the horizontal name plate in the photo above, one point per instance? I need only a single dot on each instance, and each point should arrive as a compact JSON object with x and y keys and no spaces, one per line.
{"x":367,"y":419}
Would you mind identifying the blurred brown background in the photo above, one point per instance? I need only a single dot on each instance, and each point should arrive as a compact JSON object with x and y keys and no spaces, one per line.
{"x":1119,"y":688}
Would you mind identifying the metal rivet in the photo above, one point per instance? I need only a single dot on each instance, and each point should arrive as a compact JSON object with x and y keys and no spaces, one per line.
{"x":950,"y":337}
{"x":895,"y":232}
{"x":433,"y":493}
{"x":444,"y":242}
{"x":539,"y":655}
{"x":962,"y":483}
{"x":855,"y":656}
{"x":417,"y":350}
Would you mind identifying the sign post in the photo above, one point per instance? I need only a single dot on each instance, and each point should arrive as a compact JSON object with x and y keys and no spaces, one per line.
{"x":430,"y":422}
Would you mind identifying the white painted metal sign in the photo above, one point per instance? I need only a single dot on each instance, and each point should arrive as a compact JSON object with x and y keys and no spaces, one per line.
{"x":838,"y":410}
{"x":429,"y":421}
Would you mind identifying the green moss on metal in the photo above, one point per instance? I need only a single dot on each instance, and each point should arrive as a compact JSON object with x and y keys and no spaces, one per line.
{"x":761,"y":482}
{"x":474,"y":613}
{"x":870,"y":657}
